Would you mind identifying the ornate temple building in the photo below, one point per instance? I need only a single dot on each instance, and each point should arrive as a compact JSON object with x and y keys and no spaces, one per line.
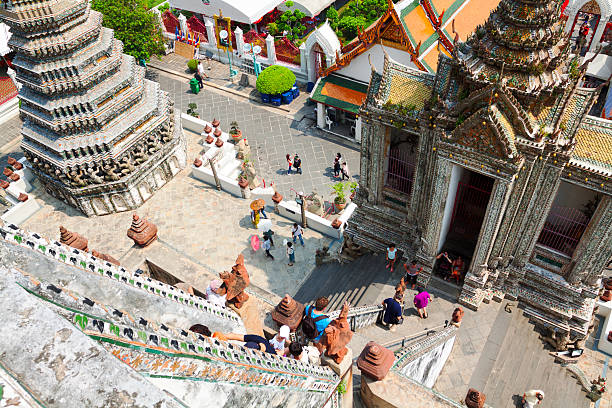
{"x":494,"y":160}
{"x":99,"y":136}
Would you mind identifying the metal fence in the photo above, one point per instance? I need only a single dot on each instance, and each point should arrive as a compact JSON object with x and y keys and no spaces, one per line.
{"x":400,"y":171}
{"x":563,"y":229}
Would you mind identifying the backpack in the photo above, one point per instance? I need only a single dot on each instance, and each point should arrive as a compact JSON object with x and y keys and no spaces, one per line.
{"x":309,"y":326}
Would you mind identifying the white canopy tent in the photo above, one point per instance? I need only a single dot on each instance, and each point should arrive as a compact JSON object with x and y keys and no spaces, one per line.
{"x":243,"y":11}
{"x":311,"y":8}
{"x":600,"y":67}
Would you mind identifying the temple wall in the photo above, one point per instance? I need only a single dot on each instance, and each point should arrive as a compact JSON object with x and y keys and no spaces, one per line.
{"x":360,"y":69}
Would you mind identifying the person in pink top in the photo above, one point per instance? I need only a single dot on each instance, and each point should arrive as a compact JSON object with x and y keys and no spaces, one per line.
{"x":420,"y":302}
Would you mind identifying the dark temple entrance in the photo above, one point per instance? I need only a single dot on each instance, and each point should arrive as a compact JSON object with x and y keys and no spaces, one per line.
{"x":466,"y":206}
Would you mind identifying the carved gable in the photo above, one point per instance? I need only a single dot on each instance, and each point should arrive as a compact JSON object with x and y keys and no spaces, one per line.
{"x":486,"y":132}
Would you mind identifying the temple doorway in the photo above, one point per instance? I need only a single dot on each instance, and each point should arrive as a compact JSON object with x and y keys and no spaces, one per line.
{"x":584,"y":27}
{"x":400,"y":161}
{"x":464,"y":213}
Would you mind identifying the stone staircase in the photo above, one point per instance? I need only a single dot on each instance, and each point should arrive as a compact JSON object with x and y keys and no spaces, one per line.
{"x":135,"y":329}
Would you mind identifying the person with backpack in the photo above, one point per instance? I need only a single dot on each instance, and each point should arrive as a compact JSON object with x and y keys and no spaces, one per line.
{"x":297,"y":164}
{"x":315,"y":321}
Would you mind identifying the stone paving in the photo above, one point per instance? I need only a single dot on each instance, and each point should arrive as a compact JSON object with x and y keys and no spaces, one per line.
{"x":271,"y":135}
{"x":194,"y":220}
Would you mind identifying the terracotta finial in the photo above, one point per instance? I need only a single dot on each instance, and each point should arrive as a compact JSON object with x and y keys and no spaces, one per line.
{"x":606,"y":296}
{"x":209,"y":139}
{"x":105,"y":257}
{"x":215,"y":122}
{"x":197,"y":162}
{"x":142,"y":232}
{"x":217,"y":132}
{"x":7,"y":172}
{"x":336,"y":223}
{"x":14,"y":176}
{"x":474,"y":399}
{"x":207,"y":129}
{"x":219,"y":142}
{"x":4,"y":184}
{"x":288,"y":312}
{"x":336,"y":336}
{"x":14,"y":163}
{"x":73,"y":239}
{"x":23,"y":197}
{"x":236,"y":281}
{"x":375,"y":361}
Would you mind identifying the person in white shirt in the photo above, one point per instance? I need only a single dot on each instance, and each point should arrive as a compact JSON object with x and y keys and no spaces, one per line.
{"x":266,"y":245}
{"x":216,"y":292}
{"x":532,"y":398}
{"x":297,"y":232}
{"x":281,"y":341}
{"x":201,"y":69}
{"x":306,"y":354}
{"x":290,"y":253}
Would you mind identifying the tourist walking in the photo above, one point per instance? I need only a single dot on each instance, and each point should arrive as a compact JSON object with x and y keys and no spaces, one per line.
{"x":532,"y":398}
{"x":391,"y":254}
{"x":297,"y":164}
{"x":266,"y":247}
{"x":291,"y":253}
{"x":393,"y":311}
{"x":201,"y":70}
{"x":337,"y":165}
{"x":198,"y":78}
{"x":412,"y":272}
{"x":345,"y":171}
{"x":268,"y":235}
{"x":420,"y":303}
{"x":296,"y":232}
{"x":288,"y":157}
{"x":315,"y":321}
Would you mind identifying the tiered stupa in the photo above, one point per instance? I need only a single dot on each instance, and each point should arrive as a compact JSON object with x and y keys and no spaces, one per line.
{"x":97,"y":133}
{"x":524,"y":42}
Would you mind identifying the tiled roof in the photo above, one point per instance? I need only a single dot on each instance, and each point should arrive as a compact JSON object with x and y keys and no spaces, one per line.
{"x":466,"y":13}
{"x":340,"y":92}
{"x":7,"y":89}
{"x":594,"y":145}
{"x":401,"y":84}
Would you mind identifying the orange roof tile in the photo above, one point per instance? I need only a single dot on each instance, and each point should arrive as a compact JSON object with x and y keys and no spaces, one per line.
{"x":473,"y":13}
{"x":419,"y":25}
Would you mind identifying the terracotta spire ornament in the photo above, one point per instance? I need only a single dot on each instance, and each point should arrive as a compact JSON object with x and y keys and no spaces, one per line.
{"x":73,"y":239}
{"x":236,"y":282}
{"x":375,"y":361}
{"x":288,"y":312}
{"x":142,"y":231}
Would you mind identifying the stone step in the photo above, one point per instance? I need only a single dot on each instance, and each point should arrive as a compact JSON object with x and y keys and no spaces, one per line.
{"x":142,"y":297}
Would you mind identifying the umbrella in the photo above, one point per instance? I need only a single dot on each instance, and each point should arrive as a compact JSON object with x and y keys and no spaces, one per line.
{"x":255,"y":242}
{"x":265,"y":225}
{"x":256,"y":205}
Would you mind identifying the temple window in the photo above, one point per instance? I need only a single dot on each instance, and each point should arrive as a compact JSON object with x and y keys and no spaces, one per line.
{"x":401,"y":161}
{"x":569,"y":216}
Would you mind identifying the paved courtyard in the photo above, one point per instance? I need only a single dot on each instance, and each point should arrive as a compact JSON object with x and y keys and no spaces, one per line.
{"x":272,"y":134}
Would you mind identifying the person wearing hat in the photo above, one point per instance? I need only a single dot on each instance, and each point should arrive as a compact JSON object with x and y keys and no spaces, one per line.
{"x":281,"y":341}
{"x":297,"y":164}
{"x":216,"y":292}
{"x":252,"y":341}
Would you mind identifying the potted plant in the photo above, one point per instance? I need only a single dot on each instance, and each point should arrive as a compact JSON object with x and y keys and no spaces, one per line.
{"x":340,"y":200}
{"x":192,"y":109}
{"x":235,"y":132}
{"x":353,"y":189}
{"x":273,"y":82}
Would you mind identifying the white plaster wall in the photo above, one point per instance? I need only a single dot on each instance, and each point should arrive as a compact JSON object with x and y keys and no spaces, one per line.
{"x":359,"y":68}
{"x":426,"y":369}
{"x":571,"y":195}
{"x":456,"y":174}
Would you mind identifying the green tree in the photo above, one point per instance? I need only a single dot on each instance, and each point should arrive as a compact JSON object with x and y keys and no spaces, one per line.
{"x":332,"y":16}
{"x":291,"y":22}
{"x":350,"y":25}
{"x":134,"y":25}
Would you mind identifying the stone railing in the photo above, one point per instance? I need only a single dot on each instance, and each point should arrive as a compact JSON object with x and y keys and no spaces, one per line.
{"x":91,"y":264}
{"x":362,"y":316}
{"x":158,"y":351}
{"x":419,"y":348}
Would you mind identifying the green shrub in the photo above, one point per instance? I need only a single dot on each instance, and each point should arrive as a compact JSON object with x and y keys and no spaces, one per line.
{"x":275,"y":79}
{"x":350,"y":25}
{"x":163,"y":7}
{"x":192,"y":65}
